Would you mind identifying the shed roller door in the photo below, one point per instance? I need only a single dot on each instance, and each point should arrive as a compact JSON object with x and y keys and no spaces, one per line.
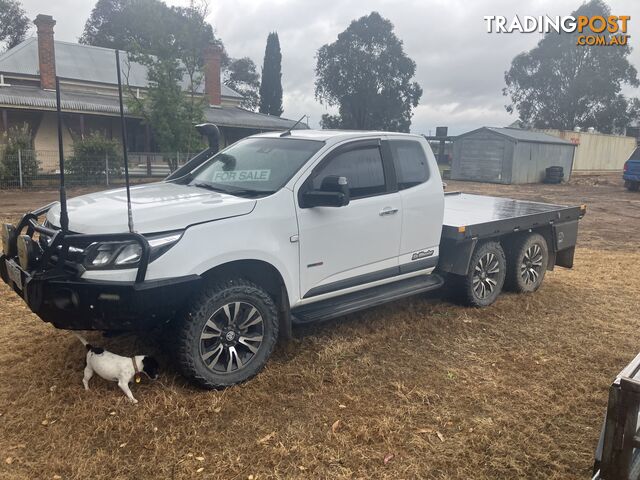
{"x":481,"y":159}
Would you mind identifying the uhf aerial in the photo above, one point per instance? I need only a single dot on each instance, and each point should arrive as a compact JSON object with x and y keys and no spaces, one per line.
{"x":124,"y":144}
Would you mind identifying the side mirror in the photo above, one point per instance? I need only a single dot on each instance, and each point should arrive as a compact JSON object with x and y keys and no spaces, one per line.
{"x":334,"y":192}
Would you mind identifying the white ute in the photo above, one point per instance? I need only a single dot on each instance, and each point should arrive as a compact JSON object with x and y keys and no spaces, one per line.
{"x":277,"y":229}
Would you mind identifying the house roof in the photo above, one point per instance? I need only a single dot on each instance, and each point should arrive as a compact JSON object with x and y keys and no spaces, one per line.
{"x":36,"y":98}
{"x":85,"y":63}
{"x":520,"y":135}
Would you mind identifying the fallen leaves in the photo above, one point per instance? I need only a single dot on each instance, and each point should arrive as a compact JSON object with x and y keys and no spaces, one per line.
{"x":388,"y":457}
{"x":431,"y":431}
{"x":336,"y":426}
{"x":266,"y":438}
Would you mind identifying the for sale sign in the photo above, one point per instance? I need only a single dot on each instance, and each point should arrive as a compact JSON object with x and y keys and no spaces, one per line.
{"x":242,"y":176}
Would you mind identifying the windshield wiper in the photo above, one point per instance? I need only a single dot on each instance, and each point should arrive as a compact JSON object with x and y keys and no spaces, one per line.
{"x":208,"y":186}
{"x":250,"y":191}
{"x":237,"y":192}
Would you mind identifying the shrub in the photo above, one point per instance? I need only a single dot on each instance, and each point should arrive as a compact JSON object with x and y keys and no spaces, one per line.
{"x":17,"y":151}
{"x":89,"y":160}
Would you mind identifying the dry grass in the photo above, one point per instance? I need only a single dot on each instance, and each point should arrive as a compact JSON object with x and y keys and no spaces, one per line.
{"x":516,"y":390}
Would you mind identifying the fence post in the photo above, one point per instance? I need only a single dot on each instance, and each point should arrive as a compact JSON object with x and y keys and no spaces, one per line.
{"x":106,"y":167}
{"x":20,"y":166}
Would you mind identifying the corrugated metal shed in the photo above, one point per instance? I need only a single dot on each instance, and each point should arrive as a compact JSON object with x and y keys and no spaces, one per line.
{"x":85,"y":63}
{"x":508,"y":155}
{"x":35,"y":98}
{"x":597,"y":152}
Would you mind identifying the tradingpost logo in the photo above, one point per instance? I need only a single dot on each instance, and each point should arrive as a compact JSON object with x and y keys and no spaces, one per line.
{"x":594,"y":30}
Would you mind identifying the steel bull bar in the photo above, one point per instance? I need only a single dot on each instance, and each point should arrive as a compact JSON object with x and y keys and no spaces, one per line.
{"x":54,"y":290}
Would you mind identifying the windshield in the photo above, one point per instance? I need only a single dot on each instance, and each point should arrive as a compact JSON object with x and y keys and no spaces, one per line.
{"x":255,"y":165}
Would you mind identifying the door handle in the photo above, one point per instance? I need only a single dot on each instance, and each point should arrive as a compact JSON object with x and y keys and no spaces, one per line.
{"x":388,"y":211}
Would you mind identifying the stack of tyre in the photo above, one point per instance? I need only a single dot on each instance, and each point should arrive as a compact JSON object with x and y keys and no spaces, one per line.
{"x":554,"y":175}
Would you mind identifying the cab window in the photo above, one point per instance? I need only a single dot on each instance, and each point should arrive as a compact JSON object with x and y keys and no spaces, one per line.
{"x":363,"y":169}
{"x":410,"y":163}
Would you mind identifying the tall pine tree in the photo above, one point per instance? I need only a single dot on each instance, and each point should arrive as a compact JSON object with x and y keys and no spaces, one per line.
{"x":271,"y":85}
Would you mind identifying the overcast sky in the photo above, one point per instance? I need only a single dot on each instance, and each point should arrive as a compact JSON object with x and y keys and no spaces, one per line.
{"x":459,"y":66}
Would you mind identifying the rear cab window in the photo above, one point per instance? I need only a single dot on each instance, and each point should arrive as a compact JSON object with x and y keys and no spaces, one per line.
{"x":410,"y":163}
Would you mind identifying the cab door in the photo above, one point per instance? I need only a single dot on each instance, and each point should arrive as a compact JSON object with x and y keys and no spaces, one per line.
{"x":422,"y":199}
{"x":348,"y":247}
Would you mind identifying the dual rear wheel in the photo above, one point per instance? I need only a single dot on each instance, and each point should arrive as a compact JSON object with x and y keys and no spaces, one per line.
{"x":521,"y":269}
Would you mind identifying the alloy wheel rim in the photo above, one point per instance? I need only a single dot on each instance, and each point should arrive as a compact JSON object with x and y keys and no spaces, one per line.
{"x":485,"y":275}
{"x":531,"y":265}
{"x":231,"y":337}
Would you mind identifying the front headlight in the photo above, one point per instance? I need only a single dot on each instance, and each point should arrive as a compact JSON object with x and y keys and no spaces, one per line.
{"x":127,"y":254}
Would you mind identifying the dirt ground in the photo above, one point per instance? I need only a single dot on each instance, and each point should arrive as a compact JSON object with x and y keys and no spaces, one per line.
{"x":419,"y":388}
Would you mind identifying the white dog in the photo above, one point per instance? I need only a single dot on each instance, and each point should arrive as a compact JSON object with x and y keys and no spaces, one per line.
{"x":116,"y":368}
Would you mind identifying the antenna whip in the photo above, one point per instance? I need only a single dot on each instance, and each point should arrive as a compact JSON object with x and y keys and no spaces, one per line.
{"x":64,"y":215}
{"x":124,"y":144}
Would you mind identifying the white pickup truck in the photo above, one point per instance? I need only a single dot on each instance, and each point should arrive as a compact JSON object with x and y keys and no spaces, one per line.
{"x":277,"y":229}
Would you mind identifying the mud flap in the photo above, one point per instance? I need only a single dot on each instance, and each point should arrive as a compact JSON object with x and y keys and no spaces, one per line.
{"x":565,"y":236}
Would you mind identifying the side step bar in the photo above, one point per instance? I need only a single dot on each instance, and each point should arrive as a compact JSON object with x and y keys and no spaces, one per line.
{"x":360,"y":300}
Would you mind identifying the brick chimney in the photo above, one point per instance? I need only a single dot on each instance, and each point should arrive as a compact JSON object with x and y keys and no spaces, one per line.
{"x":212,"y":60}
{"x":46,"y":51}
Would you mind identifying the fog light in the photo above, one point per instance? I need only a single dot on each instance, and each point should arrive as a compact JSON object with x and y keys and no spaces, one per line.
{"x":8,"y":234}
{"x":65,"y":299}
{"x":27,"y":255}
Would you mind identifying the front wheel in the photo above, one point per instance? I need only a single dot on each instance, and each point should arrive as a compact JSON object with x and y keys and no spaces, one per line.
{"x":487,"y":270}
{"x":227,"y":335}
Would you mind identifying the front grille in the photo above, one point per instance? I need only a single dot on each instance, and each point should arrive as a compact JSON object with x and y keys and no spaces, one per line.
{"x":75,"y":253}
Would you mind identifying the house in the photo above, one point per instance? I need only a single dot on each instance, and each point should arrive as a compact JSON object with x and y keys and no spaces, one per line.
{"x":508,"y":155}
{"x":89,"y":94}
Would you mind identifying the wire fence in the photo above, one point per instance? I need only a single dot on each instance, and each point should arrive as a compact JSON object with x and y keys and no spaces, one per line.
{"x":24,"y":169}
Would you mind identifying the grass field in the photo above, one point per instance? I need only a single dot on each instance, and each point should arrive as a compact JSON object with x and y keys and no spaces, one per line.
{"x":418,"y":388}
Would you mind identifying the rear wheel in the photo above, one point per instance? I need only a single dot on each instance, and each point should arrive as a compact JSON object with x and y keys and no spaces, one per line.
{"x":228,"y":334}
{"x":487,"y":270}
{"x":527,"y":263}
{"x":633,"y":186}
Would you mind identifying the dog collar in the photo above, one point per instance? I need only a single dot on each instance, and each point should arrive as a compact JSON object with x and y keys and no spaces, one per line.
{"x":137,"y":377}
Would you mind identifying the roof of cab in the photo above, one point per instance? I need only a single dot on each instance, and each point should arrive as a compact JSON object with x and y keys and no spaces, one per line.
{"x":335,"y":135}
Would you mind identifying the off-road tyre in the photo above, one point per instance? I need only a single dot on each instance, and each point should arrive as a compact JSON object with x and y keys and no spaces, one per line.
{"x":527,"y":259}
{"x":633,"y":186}
{"x":472,"y":294}
{"x":191,"y":327}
